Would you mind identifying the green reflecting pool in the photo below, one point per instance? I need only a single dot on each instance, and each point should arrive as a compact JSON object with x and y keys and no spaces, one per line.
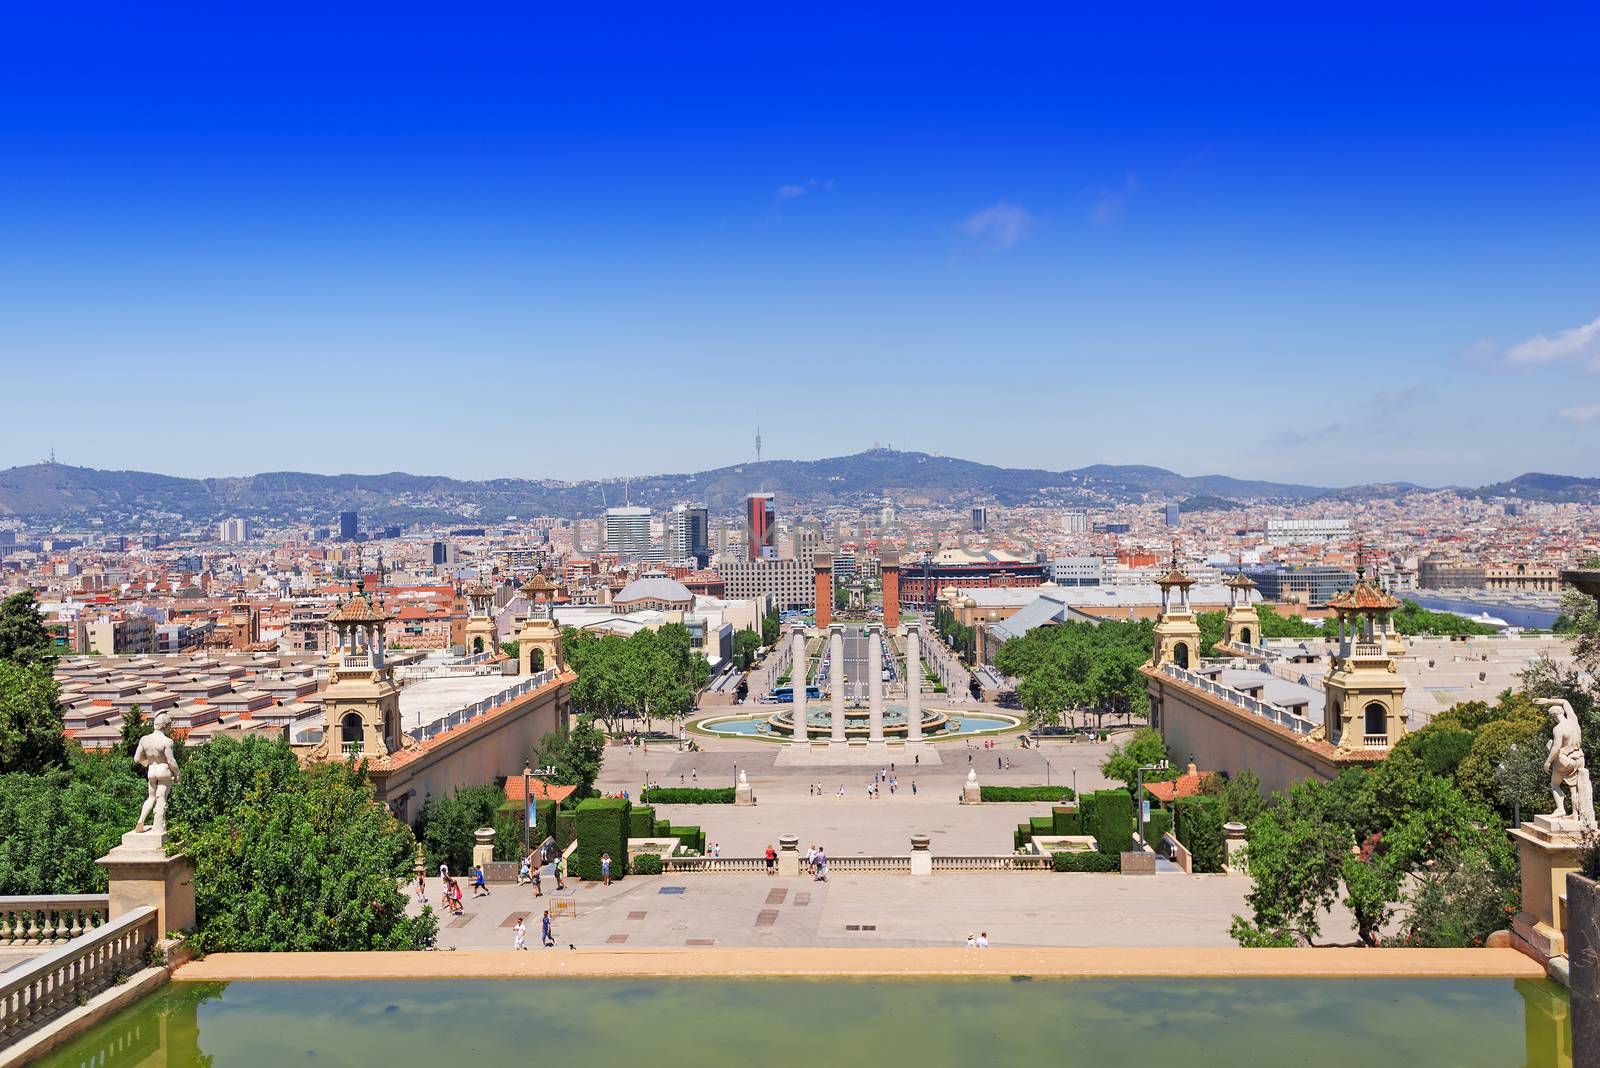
{"x":839,"y":1024}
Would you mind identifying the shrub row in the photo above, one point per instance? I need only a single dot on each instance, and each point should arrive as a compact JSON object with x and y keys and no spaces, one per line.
{"x":602,"y":827}
{"x":1088,"y":860}
{"x":1159,"y":823}
{"x":647,"y":864}
{"x":1055,"y":794}
{"x":687,"y":795}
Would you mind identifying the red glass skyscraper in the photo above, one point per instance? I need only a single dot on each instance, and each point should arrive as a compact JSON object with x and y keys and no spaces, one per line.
{"x":761,"y":526}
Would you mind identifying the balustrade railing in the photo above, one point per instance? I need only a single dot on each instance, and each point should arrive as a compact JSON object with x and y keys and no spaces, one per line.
{"x":38,"y":990}
{"x":1375,"y":741}
{"x":1002,"y":862}
{"x":47,"y":919}
{"x":1265,"y":709}
{"x":871,"y":865}
{"x":715,"y":865}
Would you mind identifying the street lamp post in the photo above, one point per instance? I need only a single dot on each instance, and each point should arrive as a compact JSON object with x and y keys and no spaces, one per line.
{"x":1139,"y":795}
{"x":528,"y":809}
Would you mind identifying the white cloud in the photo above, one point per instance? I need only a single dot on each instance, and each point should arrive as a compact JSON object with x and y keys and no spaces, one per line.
{"x":1579,"y":341}
{"x":1109,"y":206}
{"x":800,"y":189}
{"x":1003,"y":224}
{"x":1581,"y":413}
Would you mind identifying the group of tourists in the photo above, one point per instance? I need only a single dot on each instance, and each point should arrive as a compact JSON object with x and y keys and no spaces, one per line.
{"x":520,"y":932}
{"x":450,"y":896}
{"x":817,"y":863}
{"x":529,"y":872}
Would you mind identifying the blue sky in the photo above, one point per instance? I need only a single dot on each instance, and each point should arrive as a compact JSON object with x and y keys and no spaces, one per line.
{"x":1321,"y":251}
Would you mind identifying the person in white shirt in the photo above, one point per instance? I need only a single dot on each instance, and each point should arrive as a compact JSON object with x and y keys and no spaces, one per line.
{"x":972,"y":943}
{"x":983,"y":939}
{"x":521,"y":931}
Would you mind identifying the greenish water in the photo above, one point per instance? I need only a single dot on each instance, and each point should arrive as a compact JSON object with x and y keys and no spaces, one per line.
{"x":838,"y":1023}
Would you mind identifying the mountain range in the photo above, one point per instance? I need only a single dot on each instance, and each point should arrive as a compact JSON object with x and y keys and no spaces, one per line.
{"x":60,"y":493}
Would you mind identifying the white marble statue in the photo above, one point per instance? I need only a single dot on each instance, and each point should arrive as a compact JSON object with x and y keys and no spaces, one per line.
{"x":156,"y":753}
{"x":1566,"y":764}
{"x":742,"y":778}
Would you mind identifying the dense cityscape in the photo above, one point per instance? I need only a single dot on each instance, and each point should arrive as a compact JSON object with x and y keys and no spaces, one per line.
{"x":979,"y":537}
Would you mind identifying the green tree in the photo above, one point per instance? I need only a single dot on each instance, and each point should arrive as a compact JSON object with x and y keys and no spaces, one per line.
{"x":745,"y":644}
{"x":511,"y":649}
{"x":221,"y":775}
{"x":1145,"y":747}
{"x":31,"y":726}
{"x":23,"y":637}
{"x":770,"y":628}
{"x":576,"y":755}
{"x":447,"y":826}
{"x":54,"y":825}
{"x":1044,"y":694}
{"x":315,"y":867}
{"x":134,"y":727}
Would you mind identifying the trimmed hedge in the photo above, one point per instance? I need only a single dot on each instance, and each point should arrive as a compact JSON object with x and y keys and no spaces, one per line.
{"x":1199,"y":821}
{"x":693,"y":837}
{"x":1108,"y":816}
{"x":647,"y":864}
{"x":1054,"y":794}
{"x":1159,"y":823}
{"x":1088,"y":860}
{"x":1041,"y":826}
{"x":602,"y":824}
{"x":566,"y":828}
{"x":642,"y":822}
{"x":1065,"y":819}
{"x":544,"y":818}
{"x":1019,"y":837}
{"x":687,"y":795}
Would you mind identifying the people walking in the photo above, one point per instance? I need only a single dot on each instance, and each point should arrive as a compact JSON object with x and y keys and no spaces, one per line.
{"x":521,"y":933}
{"x":556,"y":867}
{"x":480,"y":887}
{"x":546,"y":935}
{"x":538,"y":885}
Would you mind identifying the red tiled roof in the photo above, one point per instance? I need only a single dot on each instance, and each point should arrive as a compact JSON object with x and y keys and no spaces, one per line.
{"x":542,"y":791}
{"x":1185,"y":785}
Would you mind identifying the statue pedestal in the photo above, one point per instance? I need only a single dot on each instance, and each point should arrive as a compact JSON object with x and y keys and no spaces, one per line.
{"x":744,"y":793}
{"x":1547,"y":850}
{"x":971,"y":793}
{"x":140,"y":873}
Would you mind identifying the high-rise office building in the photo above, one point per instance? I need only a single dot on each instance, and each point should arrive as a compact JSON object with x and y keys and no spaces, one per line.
{"x":1174,"y":512}
{"x":234,"y":531}
{"x":443,"y":553}
{"x":691,"y":533}
{"x":628,"y":531}
{"x":1075,"y":522}
{"x":980,"y":518}
{"x":761,"y":527}
{"x":348,"y":522}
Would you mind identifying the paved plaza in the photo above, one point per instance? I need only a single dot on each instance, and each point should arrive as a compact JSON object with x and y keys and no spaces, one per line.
{"x":860,"y":909}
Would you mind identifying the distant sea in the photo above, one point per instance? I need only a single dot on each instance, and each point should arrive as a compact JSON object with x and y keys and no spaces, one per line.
{"x":1515,"y":615}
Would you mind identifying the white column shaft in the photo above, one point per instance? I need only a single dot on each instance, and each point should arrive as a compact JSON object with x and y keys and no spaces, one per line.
{"x":874,"y":685}
{"x":797,"y":675}
{"x":913,"y":684}
{"x":836,"y":683}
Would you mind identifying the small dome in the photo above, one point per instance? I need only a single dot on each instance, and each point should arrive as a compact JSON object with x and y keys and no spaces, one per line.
{"x":655,"y":587}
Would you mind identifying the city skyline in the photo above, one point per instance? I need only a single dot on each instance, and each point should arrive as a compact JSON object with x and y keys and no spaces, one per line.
{"x":1292,"y":250}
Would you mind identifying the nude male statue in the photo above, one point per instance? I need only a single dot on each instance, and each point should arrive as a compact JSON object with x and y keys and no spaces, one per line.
{"x":156,"y":753}
{"x":1565,"y":762}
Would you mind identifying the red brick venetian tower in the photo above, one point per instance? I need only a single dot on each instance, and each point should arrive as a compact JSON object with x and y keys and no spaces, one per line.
{"x":822,"y":567}
{"x":891,"y":591}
